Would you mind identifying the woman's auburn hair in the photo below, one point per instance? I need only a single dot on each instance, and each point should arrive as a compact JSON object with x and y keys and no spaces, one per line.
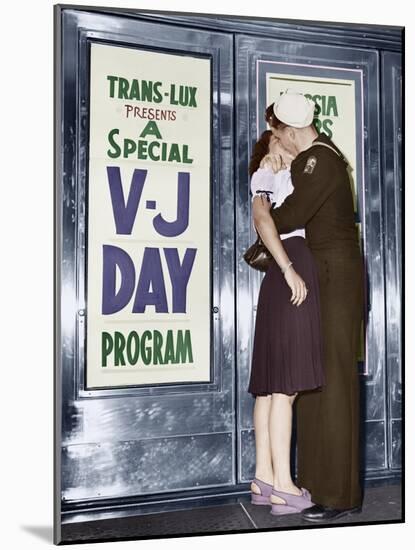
{"x":262,"y":145}
{"x":259,"y":152}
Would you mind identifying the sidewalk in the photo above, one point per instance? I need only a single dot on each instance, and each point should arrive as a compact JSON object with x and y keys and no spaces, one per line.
{"x":380,"y":504}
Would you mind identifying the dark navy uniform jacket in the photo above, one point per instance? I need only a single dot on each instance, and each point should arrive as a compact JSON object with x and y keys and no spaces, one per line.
{"x":322,"y":200}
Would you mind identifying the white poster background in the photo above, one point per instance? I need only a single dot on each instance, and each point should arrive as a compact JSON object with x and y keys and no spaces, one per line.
{"x":191,"y":127}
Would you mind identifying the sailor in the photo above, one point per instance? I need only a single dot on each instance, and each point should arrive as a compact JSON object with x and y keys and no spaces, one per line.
{"x":322,"y":202}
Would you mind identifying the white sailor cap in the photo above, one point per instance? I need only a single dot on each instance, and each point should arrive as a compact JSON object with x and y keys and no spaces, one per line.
{"x":294,"y":109}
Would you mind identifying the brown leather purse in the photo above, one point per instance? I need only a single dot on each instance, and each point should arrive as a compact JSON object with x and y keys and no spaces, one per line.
{"x":258,"y":256}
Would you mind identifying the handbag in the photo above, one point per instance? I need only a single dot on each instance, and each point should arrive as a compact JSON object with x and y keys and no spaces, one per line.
{"x":258,"y":256}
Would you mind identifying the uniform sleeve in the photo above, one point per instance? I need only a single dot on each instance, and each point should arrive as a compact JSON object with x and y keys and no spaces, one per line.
{"x":262,"y":180}
{"x":314,"y":179}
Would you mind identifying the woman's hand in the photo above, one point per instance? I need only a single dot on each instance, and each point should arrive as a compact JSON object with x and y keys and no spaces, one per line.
{"x":273,"y":161}
{"x":277,"y":150}
{"x":297,"y":285}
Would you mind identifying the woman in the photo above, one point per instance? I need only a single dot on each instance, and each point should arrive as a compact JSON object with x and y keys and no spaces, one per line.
{"x":287,"y":350}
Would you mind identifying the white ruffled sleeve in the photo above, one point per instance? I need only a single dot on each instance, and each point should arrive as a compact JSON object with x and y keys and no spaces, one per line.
{"x":262,"y":180}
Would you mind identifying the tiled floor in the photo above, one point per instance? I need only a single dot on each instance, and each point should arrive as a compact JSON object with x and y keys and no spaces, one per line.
{"x":380,"y":504}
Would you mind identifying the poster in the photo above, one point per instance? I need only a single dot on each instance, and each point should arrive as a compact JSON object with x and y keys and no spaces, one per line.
{"x":148,"y":212}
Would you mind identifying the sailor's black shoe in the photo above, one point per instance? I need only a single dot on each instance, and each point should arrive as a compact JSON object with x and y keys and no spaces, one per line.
{"x":319,"y":513}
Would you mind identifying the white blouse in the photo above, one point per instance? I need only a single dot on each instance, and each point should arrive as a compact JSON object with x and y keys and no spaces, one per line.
{"x":279,"y":186}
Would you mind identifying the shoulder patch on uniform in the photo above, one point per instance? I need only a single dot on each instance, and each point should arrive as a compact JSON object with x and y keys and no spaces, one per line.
{"x":310,"y":165}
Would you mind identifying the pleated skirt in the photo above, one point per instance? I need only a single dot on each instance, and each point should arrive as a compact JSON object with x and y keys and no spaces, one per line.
{"x":287,"y":355}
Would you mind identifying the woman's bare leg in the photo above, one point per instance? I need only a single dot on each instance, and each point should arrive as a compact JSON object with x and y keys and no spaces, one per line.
{"x":263,"y":468}
{"x":280,"y":427}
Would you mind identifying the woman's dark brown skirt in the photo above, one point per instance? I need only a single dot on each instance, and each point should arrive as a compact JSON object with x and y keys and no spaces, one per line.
{"x":287,"y":351}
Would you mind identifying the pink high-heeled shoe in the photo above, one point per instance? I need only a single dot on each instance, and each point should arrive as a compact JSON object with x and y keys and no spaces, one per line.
{"x":294,"y":504}
{"x":264,"y":497}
